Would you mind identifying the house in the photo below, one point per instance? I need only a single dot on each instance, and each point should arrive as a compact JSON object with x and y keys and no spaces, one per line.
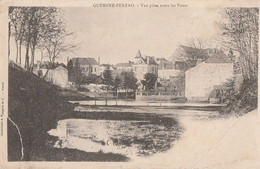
{"x":143,"y":65}
{"x":184,"y":53}
{"x":104,"y":67}
{"x":164,"y":64}
{"x":87,"y":65}
{"x":213,"y":71}
{"x":58,"y":76}
{"x":125,"y":66}
{"x":166,"y":74}
{"x":41,"y":69}
{"x":185,"y":57}
{"x":122,"y":67}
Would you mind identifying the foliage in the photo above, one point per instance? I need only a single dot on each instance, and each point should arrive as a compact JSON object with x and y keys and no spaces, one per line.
{"x":240,"y":33}
{"x":149,"y":81}
{"x":236,"y":65}
{"x":41,"y":28}
{"x":228,"y":92}
{"x":70,"y":70}
{"x":91,"y":78}
{"x":107,"y":75}
{"x":75,"y":73}
{"x":193,"y":51}
{"x":128,"y":80}
{"x":117,"y":83}
{"x":241,"y":101}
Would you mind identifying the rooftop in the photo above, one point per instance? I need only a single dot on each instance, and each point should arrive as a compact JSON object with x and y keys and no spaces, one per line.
{"x":124,"y":65}
{"x":85,"y":61}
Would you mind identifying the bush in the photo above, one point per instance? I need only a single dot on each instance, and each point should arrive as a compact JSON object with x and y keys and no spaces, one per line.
{"x":243,"y":100}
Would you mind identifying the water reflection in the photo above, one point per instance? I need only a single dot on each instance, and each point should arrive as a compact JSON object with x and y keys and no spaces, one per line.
{"x":133,"y":139}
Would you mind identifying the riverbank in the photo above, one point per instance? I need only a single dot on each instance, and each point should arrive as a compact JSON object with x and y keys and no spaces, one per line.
{"x":36,"y":106}
{"x":135,"y":104}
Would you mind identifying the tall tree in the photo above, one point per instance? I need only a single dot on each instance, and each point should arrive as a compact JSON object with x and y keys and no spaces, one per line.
{"x":108,"y":79}
{"x":75,"y":73}
{"x":128,"y":81}
{"x":107,"y":75}
{"x":192,"y":51}
{"x":149,"y":81}
{"x":240,"y":33}
{"x":40,"y":28}
{"x":17,"y":23}
{"x":70,"y":70}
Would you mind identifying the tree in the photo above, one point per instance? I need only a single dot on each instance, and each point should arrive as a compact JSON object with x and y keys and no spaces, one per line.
{"x":57,"y":45}
{"x":75,"y":74}
{"x":240,"y":33}
{"x":117,"y":83}
{"x":116,"y":86}
{"x":128,"y":81}
{"x":41,"y":28}
{"x":149,"y":81}
{"x":17,"y":23}
{"x":108,"y":80}
{"x":231,"y":56}
{"x":91,"y":78}
{"x":193,"y":51}
{"x":107,"y":77}
{"x":233,"y":59}
{"x":70,"y":70}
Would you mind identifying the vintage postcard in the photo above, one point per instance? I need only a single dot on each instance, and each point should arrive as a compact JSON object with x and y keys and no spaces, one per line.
{"x":129,"y":84}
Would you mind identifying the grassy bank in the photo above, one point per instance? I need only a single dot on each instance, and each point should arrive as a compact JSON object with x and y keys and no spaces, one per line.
{"x":35,"y":106}
{"x":242,"y":101}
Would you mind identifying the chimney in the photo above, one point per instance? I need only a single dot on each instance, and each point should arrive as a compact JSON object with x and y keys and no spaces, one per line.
{"x":98,"y":60}
{"x":148,"y":60}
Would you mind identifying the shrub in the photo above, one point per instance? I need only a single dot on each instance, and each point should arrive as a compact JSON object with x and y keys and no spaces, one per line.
{"x":241,"y":101}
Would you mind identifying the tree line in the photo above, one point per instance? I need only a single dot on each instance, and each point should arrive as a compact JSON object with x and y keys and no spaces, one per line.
{"x":41,"y":29}
{"x":240,"y":35}
{"x":126,"y":80}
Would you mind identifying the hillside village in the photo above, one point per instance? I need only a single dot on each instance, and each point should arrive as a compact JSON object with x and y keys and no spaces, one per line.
{"x":199,"y":79}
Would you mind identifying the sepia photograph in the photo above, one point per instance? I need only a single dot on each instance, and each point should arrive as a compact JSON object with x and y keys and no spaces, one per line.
{"x":167,"y":84}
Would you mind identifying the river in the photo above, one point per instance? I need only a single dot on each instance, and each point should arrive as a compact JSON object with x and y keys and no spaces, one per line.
{"x":131,"y":132}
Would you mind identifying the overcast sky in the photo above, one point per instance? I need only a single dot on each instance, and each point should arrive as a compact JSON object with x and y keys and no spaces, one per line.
{"x":115,"y":34}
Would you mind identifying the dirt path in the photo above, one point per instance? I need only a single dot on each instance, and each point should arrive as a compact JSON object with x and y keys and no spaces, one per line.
{"x":219,"y":143}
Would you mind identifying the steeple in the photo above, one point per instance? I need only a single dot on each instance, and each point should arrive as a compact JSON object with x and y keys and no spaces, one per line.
{"x":138,"y":55}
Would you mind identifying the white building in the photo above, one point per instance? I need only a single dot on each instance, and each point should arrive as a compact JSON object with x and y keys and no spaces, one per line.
{"x":202,"y":79}
{"x":128,"y":67}
{"x":58,"y":76}
{"x":104,"y":67}
{"x":166,"y":74}
{"x":87,"y":65}
{"x":143,"y":65}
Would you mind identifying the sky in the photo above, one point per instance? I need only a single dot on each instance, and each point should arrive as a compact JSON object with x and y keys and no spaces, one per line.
{"x":116,"y":34}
